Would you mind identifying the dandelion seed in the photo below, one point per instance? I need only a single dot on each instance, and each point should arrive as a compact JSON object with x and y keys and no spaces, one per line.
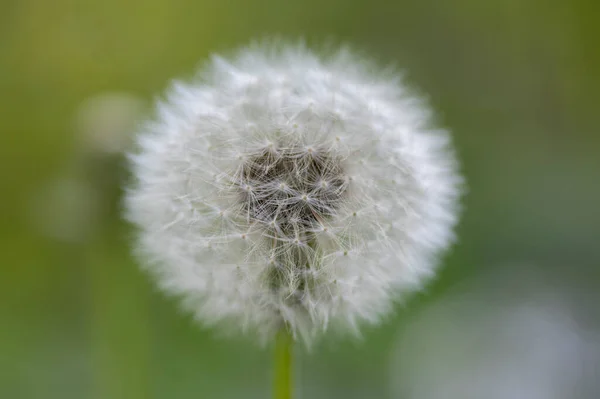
{"x":299,"y":152}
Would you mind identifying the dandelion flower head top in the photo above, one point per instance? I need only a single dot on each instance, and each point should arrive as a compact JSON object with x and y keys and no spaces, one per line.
{"x":285,"y":188}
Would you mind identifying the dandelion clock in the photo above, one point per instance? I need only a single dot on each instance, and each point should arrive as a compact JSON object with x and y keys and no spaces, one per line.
{"x":285,"y":194}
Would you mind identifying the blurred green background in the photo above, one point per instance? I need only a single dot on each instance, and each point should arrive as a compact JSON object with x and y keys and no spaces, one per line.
{"x":517,"y":82}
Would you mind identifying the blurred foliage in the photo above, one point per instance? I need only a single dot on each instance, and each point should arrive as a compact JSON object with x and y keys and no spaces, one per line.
{"x":517,"y":81}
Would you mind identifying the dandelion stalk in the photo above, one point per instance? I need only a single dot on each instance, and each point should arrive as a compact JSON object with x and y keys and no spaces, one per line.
{"x":283,"y":363}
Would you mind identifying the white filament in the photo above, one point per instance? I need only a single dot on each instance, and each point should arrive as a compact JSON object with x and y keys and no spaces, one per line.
{"x":282,"y":187}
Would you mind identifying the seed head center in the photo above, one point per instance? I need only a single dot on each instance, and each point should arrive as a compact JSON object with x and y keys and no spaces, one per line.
{"x":292,"y":188}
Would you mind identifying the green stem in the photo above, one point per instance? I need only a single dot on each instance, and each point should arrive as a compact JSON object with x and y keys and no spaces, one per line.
{"x":282,"y":383}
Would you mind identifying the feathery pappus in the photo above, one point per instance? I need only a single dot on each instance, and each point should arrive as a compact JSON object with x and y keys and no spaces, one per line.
{"x":281,"y":187}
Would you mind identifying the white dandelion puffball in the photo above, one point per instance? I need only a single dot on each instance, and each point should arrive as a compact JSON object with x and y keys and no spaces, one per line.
{"x":281,"y":188}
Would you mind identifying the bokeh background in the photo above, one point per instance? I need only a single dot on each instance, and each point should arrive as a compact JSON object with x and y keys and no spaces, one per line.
{"x":512,"y":313}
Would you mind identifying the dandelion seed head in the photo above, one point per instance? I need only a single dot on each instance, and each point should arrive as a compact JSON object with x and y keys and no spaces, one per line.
{"x":284,"y":188}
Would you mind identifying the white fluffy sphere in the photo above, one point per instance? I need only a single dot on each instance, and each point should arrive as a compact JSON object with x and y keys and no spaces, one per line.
{"x":284,"y":188}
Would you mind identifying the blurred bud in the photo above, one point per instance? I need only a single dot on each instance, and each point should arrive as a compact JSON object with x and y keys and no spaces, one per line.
{"x":504,"y":336}
{"x":105,"y":122}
